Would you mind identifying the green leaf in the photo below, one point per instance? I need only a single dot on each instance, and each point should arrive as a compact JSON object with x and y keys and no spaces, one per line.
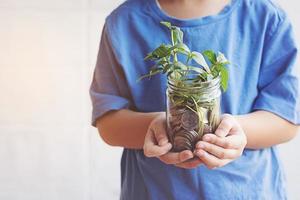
{"x":161,"y":51}
{"x":156,"y":68}
{"x":211,"y":56}
{"x":222,"y":59}
{"x":173,"y":37}
{"x":152,"y":72}
{"x":179,"y":35}
{"x":176,"y":35}
{"x":166,"y":68}
{"x":182,"y":48}
{"x":167,"y":62}
{"x":197,"y":69}
{"x":167,"y":24}
{"x":198,"y":57}
{"x":149,"y":57}
{"x":178,"y":46}
{"x":169,"y":73}
{"x":183,"y":67}
{"x":201,"y":77}
{"x":180,"y":65}
{"x":162,"y":62}
{"x":224,"y":77}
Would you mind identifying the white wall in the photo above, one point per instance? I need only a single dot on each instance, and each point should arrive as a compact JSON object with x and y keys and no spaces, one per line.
{"x":48,"y":151}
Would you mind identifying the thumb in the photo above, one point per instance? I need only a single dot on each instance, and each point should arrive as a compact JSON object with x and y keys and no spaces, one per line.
{"x":161,"y":135}
{"x":151,"y":149}
{"x":225,"y":126}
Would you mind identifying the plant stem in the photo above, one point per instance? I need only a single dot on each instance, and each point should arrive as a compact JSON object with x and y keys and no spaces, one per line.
{"x":187,"y":65}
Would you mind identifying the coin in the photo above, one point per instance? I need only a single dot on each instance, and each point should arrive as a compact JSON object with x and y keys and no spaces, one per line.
{"x":175,"y":111}
{"x":195,"y":135}
{"x":185,"y":134}
{"x":185,"y":140}
{"x":189,"y":120}
{"x":182,"y":143}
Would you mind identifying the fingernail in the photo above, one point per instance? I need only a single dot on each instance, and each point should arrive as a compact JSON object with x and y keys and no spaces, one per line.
{"x":220,"y":133}
{"x":207,"y":138}
{"x":169,"y":145}
{"x":201,"y":145}
{"x":200,"y":153}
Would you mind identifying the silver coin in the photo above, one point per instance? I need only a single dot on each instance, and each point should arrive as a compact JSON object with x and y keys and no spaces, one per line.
{"x":185,"y":134}
{"x":180,"y":110}
{"x":177,"y":111}
{"x":195,"y":135}
{"x":189,"y":120}
{"x":182,"y":142}
{"x":182,"y":146}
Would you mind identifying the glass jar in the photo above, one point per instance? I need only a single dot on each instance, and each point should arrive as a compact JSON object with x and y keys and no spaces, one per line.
{"x":193,"y":109}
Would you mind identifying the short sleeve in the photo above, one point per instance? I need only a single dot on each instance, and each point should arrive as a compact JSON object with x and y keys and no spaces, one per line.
{"x":279,"y":81}
{"x":107,"y":90}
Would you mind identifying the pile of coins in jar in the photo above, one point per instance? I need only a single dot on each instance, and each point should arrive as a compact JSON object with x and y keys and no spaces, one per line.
{"x":193,"y":109}
{"x":185,"y":128}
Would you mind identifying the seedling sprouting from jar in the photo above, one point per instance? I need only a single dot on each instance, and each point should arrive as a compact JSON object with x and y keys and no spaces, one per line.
{"x":193,"y":91}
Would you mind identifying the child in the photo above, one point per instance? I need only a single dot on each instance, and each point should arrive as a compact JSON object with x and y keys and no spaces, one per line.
{"x":240,"y":160}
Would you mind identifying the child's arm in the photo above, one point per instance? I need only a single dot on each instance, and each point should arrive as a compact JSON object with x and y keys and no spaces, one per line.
{"x":128,"y":129}
{"x":264,"y":129}
{"x":261,"y":128}
{"x":125,"y":128}
{"x":256,"y":130}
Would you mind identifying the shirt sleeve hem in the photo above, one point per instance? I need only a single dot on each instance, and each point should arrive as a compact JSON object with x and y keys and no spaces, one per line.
{"x":97,"y":113}
{"x":282,"y":110}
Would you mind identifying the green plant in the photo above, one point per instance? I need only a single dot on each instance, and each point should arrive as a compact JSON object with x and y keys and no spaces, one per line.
{"x":193,"y":90}
{"x":166,"y":61}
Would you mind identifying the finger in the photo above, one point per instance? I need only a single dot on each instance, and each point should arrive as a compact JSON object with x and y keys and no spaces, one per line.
{"x":190,"y":164}
{"x":225,"y":126}
{"x":229,"y":142}
{"x":218,"y":151}
{"x":151,"y":149}
{"x":161,"y":134}
{"x":155,"y":150}
{"x":209,"y":160}
{"x":219,"y":141}
{"x":175,"y":158}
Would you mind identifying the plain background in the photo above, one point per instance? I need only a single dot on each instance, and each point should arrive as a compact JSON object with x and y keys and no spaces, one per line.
{"x":48,"y":150}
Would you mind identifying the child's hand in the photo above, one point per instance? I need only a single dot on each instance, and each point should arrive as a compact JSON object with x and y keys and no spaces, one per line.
{"x":226,"y":145}
{"x":157,"y":145}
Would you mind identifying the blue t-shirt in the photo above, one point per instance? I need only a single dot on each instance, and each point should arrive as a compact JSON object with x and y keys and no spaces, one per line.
{"x":256,"y":36}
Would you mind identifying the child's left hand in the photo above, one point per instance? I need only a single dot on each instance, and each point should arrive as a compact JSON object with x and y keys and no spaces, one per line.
{"x":226,"y":145}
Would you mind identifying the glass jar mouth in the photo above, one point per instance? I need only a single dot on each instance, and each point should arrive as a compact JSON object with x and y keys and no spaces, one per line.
{"x":188,"y":85}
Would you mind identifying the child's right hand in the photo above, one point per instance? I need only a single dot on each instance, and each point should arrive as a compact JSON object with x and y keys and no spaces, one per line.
{"x":157,"y":145}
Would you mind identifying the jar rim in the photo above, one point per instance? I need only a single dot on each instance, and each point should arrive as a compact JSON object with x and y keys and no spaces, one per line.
{"x":214,"y":82}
